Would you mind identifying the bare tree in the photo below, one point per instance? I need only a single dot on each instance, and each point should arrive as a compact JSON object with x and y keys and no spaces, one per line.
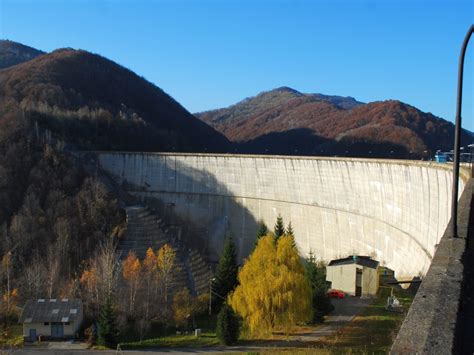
{"x":53,"y":269}
{"x":34,"y":279}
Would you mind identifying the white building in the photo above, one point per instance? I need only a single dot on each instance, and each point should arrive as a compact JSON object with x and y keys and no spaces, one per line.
{"x":51,"y":318}
{"x":355,"y":275}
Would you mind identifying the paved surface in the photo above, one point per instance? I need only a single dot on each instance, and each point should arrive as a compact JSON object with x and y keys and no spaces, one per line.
{"x":345,"y":310}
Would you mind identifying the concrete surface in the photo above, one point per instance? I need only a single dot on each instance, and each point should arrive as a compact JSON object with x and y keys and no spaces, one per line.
{"x":344,"y":311}
{"x":437,"y":322}
{"x":395,"y":211}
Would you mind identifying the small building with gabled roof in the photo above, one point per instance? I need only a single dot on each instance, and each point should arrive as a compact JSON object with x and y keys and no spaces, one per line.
{"x":355,"y":275}
{"x":51,"y":318}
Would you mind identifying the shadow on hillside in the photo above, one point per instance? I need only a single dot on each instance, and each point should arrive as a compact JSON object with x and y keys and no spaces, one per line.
{"x":304,"y":141}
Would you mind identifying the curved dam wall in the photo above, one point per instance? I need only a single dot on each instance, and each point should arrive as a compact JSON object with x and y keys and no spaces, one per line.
{"x":395,"y":211}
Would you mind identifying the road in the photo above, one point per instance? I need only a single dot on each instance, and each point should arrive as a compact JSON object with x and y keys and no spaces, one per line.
{"x":344,"y":311}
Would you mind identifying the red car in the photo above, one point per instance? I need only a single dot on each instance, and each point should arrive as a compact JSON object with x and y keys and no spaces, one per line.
{"x":336,"y":294}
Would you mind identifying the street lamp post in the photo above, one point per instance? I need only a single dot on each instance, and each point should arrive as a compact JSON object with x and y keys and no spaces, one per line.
{"x":210,"y":294}
{"x":457,"y":137}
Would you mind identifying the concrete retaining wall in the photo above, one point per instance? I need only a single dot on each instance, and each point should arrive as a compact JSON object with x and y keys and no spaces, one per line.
{"x":396,"y":211}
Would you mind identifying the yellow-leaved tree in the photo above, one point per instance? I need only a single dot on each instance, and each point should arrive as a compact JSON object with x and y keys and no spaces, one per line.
{"x":185,"y":307}
{"x":165,"y":261}
{"x":273,"y":292}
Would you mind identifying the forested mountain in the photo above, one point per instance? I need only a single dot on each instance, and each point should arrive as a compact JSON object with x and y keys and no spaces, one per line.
{"x":12,"y":53}
{"x":54,"y":213}
{"x":284,"y":121}
{"x":97,"y":104}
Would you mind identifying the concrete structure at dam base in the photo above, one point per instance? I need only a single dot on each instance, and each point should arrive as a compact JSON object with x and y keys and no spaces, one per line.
{"x":394,"y":211}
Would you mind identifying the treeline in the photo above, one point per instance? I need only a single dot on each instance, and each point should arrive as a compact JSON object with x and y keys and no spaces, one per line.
{"x":274,"y":290}
{"x":52,"y":215}
{"x":124,"y":298}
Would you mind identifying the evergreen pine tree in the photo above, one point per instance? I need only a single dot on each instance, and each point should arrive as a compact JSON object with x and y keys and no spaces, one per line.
{"x":228,"y":326}
{"x":316,"y":275}
{"x":291,"y":233}
{"x":107,"y":326}
{"x":226,"y":273}
{"x":262,"y":231}
{"x":279,"y":228}
{"x":289,"y":230}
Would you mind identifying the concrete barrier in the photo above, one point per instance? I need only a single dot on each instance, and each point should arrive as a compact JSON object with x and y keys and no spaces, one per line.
{"x":440,"y":318}
{"x":395,"y":211}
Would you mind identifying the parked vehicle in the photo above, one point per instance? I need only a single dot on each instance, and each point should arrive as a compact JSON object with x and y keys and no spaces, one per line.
{"x":336,"y":294}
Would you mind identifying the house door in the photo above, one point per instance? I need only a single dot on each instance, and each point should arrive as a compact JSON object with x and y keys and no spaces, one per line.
{"x":358,"y":283}
{"x":57,"y":330}
{"x":32,"y":336}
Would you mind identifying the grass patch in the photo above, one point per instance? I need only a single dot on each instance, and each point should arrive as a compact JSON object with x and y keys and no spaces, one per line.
{"x":160,"y":336}
{"x":373,"y":330}
{"x":175,"y":341}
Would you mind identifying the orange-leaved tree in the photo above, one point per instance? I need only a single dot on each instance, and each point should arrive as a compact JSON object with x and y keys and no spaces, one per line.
{"x":150,"y":279}
{"x":273,"y":292}
{"x":90,"y":290}
{"x":131,"y":271}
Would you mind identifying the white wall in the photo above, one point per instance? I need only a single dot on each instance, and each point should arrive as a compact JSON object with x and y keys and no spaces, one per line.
{"x":342,"y":277}
{"x":45,"y":330}
{"x":370,"y":281}
{"x":395,"y":211}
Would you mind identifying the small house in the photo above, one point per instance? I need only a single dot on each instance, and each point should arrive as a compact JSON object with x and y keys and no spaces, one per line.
{"x":355,"y":275}
{"x":51,"y":318}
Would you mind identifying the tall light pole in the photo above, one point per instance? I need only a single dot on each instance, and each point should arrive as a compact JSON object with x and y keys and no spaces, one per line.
{"x":457,"y":137}
{"x":210,"y":294}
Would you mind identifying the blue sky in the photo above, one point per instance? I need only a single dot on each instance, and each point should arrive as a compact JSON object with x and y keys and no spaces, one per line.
{"x":210,"y":54}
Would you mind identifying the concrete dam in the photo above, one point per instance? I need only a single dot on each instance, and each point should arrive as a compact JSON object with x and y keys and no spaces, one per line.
{"x":394,"y":211}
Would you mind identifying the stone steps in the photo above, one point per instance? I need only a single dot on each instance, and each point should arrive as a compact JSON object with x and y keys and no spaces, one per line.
{"x":144,"y":230}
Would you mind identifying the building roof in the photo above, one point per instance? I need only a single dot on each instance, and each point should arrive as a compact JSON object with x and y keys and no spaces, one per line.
{"x":356,"y":259}
{"x":51,"y":310}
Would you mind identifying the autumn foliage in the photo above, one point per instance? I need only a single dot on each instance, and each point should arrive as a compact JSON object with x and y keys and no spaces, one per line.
{"x":273,"y":292}
{"x":131,"y":271}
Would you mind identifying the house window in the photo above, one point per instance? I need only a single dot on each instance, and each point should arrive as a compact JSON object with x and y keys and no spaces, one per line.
{"x":46,"y":323}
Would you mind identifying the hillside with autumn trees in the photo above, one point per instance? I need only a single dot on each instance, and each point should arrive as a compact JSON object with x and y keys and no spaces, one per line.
{"x":12,"y":53}
{"x":96,"y":104}
{"x":60,"y":220}
{"x":285,"y":121}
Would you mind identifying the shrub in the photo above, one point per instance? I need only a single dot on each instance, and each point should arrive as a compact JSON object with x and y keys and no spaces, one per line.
{"x":107,"y":327}
{"x":228,"y":326}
